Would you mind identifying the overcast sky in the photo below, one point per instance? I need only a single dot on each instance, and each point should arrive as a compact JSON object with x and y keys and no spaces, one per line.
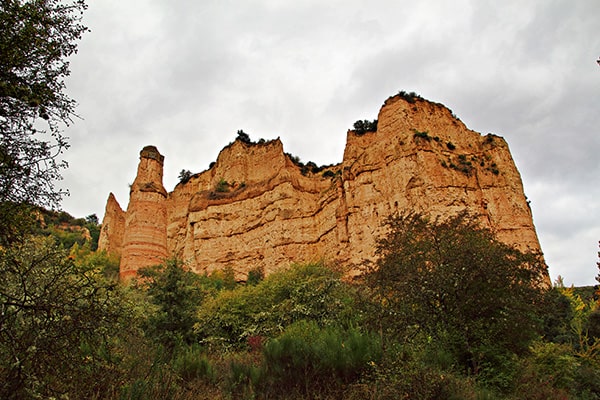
{"x":186,"y":75}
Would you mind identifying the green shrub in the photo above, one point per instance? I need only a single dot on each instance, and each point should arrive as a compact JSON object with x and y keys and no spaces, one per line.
{"x":419,"y":369}
{"x":223,"y":278}
{"x":246,"y":376}
{"x":137,"y":390}
{"x":550,"y":372}
{"x":363,"y":126}
{"x":243,"y":137}
{"x":422,"y":135}
{"x":410,"y":97}
{"x":222,"y":186}
{"x":307,"y":355}
{"x":191,"y":363}
{"x":255,"y":276}
{"x":57,"y":321}
{"x":311,"y":292}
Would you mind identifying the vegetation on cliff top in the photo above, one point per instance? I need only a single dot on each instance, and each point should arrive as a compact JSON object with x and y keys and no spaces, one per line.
{"x":364,"y":126}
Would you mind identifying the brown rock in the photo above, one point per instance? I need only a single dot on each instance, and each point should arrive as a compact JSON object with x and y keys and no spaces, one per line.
{"x":145,"y":235}
{"x":113,"y":227}
{"x":257,"y":208}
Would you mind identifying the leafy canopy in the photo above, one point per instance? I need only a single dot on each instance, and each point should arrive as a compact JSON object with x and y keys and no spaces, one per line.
{"x":309,"y":292}
{"x":176,"y":293}
{"x":37,"y":37}
{"x":453,"y":281}
{"x":363,"y":126}
{"x":51,"y":307}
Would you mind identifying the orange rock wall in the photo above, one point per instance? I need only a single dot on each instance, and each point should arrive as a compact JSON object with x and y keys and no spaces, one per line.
{"x":113,"y":227}
{"x":256,"y":208}
{"x":145,"y":225}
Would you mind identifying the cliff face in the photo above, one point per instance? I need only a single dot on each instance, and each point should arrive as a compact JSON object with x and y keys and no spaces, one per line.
{"x":256,"y":208}
{"x":145,"y":235}
{"x":113,"y":226}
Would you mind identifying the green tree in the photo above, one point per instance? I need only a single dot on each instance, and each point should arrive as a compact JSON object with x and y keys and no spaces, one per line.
{"x":184,"y":176}
{"x":56,"y":317}
{"x":243,"y":137}
{"x":363,"y":126}
{"x":302,"y":292}
{"x":37,"y":37}
{"x":454,"y":282}
{"x":176,"y":293}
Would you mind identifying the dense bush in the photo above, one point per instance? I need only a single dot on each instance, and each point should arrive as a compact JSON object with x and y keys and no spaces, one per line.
{"x":176,"y":294}
{"x":309,"y":292}
{"x":308,"y":356}
{"x":57,"y":324}
{"x":363,"y":126}
{"x":411,"y":97}
{"x":305,"y":359}
{"x":243,"y":137}
{"x":192,"y":363}
{"x":422,"y":135}
{"x":305,"y":333}
{"x":453,"y":281}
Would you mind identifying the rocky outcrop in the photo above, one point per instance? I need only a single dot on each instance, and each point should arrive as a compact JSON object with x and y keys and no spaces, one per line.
{"x":145,"y":233}
{"x":113,"y":227}
{"x":256,"y":207}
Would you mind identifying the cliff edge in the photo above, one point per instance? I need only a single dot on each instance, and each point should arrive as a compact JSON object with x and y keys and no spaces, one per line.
{"x":257,"y":207}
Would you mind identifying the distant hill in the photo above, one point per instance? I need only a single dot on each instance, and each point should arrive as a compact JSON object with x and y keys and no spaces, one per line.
{"x":67,"y":229}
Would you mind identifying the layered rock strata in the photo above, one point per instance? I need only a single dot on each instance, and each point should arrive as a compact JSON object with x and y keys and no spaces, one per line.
{"x":256,"y":207}
{"x":144,"y":241}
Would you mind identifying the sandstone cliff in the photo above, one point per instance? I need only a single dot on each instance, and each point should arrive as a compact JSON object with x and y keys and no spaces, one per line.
{"x":113,"y":226}
{"x":256,"y":207}
{"x":144,"y":240}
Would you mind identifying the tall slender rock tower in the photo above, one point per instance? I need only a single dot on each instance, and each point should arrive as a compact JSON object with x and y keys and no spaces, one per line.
{"x":145,"y":235}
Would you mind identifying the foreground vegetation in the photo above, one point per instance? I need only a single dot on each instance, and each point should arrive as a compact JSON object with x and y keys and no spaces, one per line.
{"x":447,"y":312}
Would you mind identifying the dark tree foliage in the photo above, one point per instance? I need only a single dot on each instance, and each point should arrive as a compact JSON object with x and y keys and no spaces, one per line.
{"x":598,"y":265}
{"x":54,"y":314}
{"x":184,"y":176}
{"x":363,"y":126}
{"x":411,"y":97}
{"x":557,"y":317}
{"x":455,"y":282}
{"x":243,"y":137}
{"x":36,"y":38}
{"x":176,"y":293}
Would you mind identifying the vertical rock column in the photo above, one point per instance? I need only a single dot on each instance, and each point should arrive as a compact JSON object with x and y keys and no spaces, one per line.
{"x":145,"y":237}
{"x":113,"y":227}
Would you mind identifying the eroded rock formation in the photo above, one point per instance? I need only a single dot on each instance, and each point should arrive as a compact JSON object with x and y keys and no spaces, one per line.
{"x":144,"y":240}
{"x":257,"y":207}
{"x":113,"y":226}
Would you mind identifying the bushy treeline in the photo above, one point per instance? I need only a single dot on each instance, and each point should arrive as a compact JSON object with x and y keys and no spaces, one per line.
{"x":446,"y":312}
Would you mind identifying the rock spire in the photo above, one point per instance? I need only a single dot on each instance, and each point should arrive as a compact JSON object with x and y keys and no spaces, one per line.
{"x":145,"y":223}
